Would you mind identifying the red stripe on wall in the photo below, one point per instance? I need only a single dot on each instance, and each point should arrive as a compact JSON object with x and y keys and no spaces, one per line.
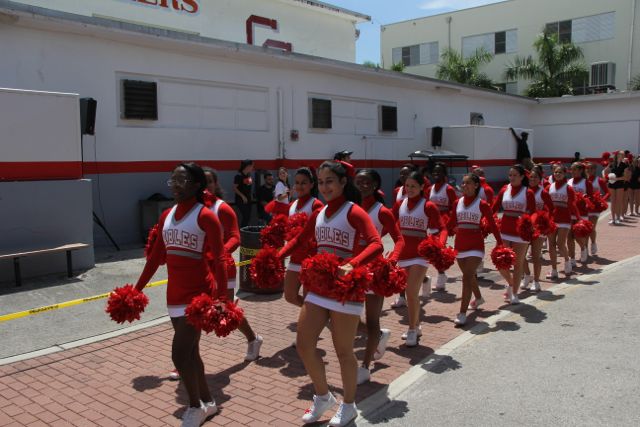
{"x":32,"y":171}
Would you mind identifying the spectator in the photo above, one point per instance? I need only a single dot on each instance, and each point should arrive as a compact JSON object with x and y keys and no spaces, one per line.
{"x":242,"y":184}
{"x":264,"y":196}
{"x":523,"y":155}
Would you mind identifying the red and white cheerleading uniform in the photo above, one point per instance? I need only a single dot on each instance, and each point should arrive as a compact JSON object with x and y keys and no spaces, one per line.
{"x":469,"y":212}
{"x":307,"y":205}
{"x":442,"y":195}
{"x":399,"y":193}
{"x":188,"y":229}
{"x":599,"y":186}
{"x":486,"y":193}
{"x":338,"y":227}
{"x":416,"y":218}
{"x":543,"y":201}
{"x":564,"y":200}
{"x":515,"y":202}
{"x":231,"y":232}
{"x":584,"y":187}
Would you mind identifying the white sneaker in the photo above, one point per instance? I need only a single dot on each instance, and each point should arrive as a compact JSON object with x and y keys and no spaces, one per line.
{"x":253,"y":349}
{"x":616,"y":222}
{"x":553,"y":274}
{"x":426,"y":287}
{"x":174,"y":375}
{"x":318,"y":407}
{"x":363,"y":375}
{"x":567,"y":267}
{"x":594,"y":249}
{"x":460,"y":319}
{"x":535,"y":286}
{"x":385,"y":334}
{"x":473,"y":305}
{"x":514,"y":299}
{"x":412,"y":338}
{"x":399,"y":302}
{"x":584,"y":255}
{"x":194,"y":417}
{"x":210,"y":408}
{"x":404,"y":335}
{"x":441,"y":282}
{"x":611,"y":222}
{"x":346,"y":413}
{"x":524,"y":285}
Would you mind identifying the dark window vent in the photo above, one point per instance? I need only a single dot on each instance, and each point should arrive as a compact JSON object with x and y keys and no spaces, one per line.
{"x":388,"y":118}
{"x":140,"y":100}
{"x":320,"y":113}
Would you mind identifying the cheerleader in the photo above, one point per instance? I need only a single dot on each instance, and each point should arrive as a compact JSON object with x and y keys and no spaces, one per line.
{"x":486,"y":192}
{"x":416,"y":217}
{"x":582,"y":185}
{"x":399,"y":194}
{"x":634,"y":186}
{"x":516,"y":199}
{"x":543,"y":203}
{"x":443,"y":196}
{"x":599,"y":186}
{"x":616,"y":186}
{"x":563,"y":198}
{"x":304,"y":186}
{"x":469,"y":242}
{"x":281,"y":193}
{"x":367,"y":181}
{"x":229,"y":220}
{"x":188,"y":276}
{"x":338,"y":227}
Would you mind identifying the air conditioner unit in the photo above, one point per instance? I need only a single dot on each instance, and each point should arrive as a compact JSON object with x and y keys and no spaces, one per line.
{"x":603,"y":74}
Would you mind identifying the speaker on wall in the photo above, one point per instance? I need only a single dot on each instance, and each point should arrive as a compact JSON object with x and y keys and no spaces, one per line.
{"x":436,"y":136}
{"x":88,"y":116}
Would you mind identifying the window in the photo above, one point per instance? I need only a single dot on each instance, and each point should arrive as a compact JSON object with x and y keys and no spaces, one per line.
{"x":320,"y":113}
{"x":586,"y":29}
{"x":388,"y":118}
{"x":494,"y":43}
{"x":564,"y":31}
{"x":140,"y":100}
{"x":419,"y":54}
{"x":509,"y":87}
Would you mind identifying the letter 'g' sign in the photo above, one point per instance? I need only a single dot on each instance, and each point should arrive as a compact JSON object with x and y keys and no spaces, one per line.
{"x":189,"y":6}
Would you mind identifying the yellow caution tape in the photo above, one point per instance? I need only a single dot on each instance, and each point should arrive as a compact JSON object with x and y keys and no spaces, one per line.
{"x":248,"y":251}
{"x":46,"y":308}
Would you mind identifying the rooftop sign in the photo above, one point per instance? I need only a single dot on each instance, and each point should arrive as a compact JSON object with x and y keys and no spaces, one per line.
{"x":189,"y":6}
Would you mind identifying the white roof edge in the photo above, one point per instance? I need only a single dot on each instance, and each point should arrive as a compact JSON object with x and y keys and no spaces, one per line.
{"x":590,"y":98}
{"x":38,"y":92}
{"x":360,"y":17}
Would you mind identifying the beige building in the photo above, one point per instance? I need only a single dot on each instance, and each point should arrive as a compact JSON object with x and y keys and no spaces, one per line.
{"x":607,"y":31}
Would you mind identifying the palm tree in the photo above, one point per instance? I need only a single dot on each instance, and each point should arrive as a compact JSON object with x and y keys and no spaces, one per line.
{"x":556,"y":71}
{"x":635,"y":83}
{"x":454,"y":67}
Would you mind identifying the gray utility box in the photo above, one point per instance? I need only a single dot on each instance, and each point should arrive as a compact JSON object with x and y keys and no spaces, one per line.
{"x":150,"y":211}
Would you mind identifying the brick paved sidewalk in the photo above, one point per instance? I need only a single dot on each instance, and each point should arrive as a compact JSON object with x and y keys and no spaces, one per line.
{"x":123,"y":380}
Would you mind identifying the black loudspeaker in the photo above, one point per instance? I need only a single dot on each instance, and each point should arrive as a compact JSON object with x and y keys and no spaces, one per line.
{"x":88,"y":116}
{"x":436,"y":136}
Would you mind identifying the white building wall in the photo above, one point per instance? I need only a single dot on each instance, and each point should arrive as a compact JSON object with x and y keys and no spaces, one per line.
{"x":529,"y":18}
{"x":312,"y":30}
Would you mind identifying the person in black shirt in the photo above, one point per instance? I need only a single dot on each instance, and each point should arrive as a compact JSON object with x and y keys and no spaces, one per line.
{"x":264,"y":195}
{"x":242,"y":184}
{"x":523,"y":155}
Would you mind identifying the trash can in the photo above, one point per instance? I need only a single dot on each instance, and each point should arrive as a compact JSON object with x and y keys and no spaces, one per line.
{"x":249,"y":247}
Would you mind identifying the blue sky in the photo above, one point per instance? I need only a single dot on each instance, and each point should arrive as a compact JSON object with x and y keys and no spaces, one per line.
{"x":387,"y":11}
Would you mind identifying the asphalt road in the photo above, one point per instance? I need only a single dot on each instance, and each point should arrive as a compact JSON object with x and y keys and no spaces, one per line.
{"x":568,"y":360}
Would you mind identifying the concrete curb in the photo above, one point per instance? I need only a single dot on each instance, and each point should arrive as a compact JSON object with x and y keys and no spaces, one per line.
{"x":377,"y":402}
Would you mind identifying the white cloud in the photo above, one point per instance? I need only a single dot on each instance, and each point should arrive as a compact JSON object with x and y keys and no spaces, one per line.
{"x":437,"y":5}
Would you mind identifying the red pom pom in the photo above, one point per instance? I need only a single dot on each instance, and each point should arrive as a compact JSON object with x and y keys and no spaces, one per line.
{"x":525,"y":228}
{"x":605,"y":155}
{"x":388,"y":279}
{"x":503,"y":258}
{"x":273,"y":234}
{"x":446,"y":259}
{"x":599,"y":204}
{"x":151,"y":240}
{"x":544,"y":223}
{"x":430,"y":248}
{"x":207,"y":314}
{"x":319,"y":271}
{"x":126,"y":303}
{"x":582,"y":228}
{"x":485,"y":228}
{"x":295,"y":224}
{"x":352,"y":286}
{"x":267,"y":269}
{"x":583,"y":203}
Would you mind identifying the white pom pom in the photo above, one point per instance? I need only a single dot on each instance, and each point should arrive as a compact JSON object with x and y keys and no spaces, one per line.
{"x":612,"y":178}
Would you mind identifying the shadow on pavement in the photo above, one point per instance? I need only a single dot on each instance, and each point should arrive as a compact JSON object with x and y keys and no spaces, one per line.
{"x":439,"y":364}
{"x":389,"y":411}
